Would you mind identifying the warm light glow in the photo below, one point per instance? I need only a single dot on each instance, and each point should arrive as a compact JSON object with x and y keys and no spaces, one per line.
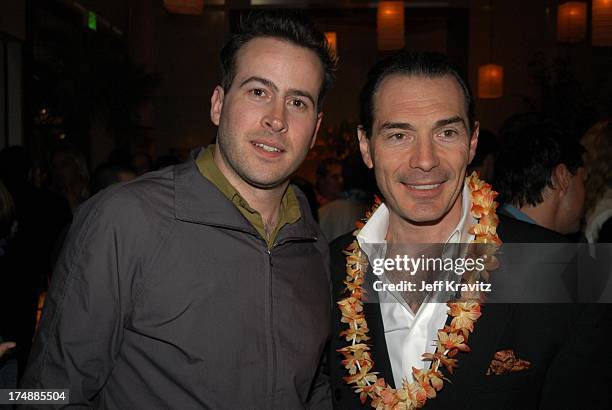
{"x":602,"y":23}
{"x":193,"y":7}
{"x":332,"y":39}
{"x":390,"y":25}
{"x":571,"y":22}
{"x":490,"y":81}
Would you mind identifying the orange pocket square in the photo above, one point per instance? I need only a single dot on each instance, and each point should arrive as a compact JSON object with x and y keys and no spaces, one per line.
{"x":505,"y":362}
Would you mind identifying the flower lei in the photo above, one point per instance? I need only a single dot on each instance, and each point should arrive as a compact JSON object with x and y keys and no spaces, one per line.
{"x":451,"y":339}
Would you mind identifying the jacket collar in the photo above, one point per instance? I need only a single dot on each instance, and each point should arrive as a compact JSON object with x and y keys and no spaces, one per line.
{"x":198,"y":200}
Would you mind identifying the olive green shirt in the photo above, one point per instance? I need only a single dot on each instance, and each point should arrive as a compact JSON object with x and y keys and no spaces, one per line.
{"x":289,"y":209}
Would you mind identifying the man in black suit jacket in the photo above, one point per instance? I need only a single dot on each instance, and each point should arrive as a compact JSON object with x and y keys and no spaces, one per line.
{"x":418,"y":134}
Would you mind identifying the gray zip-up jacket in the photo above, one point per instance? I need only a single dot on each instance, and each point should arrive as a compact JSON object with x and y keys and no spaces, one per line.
{"x":165,"y":297}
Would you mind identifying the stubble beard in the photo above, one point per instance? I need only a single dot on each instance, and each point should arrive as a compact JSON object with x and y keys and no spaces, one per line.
{"x":251,"y":173}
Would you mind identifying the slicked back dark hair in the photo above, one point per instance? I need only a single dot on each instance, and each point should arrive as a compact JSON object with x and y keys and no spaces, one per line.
{"x":532,"y":145}
{"x":411,"y":64}
{"x":291,"y":26}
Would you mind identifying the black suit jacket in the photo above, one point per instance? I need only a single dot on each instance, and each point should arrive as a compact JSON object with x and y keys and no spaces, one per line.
{"x":563,"y":342}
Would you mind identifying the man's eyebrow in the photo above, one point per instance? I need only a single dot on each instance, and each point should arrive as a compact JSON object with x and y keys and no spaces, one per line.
{"x":301,"y":93}
{"x":261,"y":80}
{"x":268,"y":83}
{"x":397,"y":125}
{"x":449,"y":121}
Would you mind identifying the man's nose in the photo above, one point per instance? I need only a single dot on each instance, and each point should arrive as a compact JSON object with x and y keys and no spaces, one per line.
{"x":425,"y":156}
{"x":275,"y":118}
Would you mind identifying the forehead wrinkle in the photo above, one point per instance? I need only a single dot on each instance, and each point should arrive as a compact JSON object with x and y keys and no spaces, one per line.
{"x":404,"y":114}
{"x":261,"y":80}
{"x":407,"y":98}
{"x":397,"y":125}
{"x":279,"y":61}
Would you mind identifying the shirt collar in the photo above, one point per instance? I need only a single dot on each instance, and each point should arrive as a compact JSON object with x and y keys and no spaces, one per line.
{"x":517,"y":213}
{"x":197,"y":199}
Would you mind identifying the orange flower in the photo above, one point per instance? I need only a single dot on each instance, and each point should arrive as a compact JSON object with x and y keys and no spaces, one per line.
{"x":423,"y":389}
{"x":480,"y":230}
{"x":477,"y":210}
{"x":354,"y":285}
{"x":484,"y":197}
{"x":388,"y":398}
{"x":451,"y":341}
{"x":354,"y":348}
{"x":353,"y":361}
{"x":464,"y":314}
{"x":435,"y":377}
{"x":357,"y":376}
{"x":474,"y":182}
{"x":356,"y":258}
{"x":364,"y":389}
{"x":357,"y":331}
{"x":351,"y":309}
{"x":448,"y":363}
{"x":352,"y":272}
{"x":491,"y":263}
{"x":407,"y":396}
{"x":488,"y":238}
{"x":490,"y":219}
{"x":357,"y":291}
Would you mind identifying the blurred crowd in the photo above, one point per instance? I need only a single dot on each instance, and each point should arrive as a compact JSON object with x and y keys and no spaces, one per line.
{"x":37,"y":200}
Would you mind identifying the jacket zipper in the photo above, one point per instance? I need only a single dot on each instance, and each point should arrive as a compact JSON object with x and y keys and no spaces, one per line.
{"x":272,"y":355}
{"x":272,"y":350}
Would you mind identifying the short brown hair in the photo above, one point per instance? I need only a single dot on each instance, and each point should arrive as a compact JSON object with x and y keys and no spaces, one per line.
{"x":291,"y":26}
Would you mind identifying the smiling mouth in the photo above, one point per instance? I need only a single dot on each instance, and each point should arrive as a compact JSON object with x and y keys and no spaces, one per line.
{"x":266,"y":147}
{"x":424,"y":187}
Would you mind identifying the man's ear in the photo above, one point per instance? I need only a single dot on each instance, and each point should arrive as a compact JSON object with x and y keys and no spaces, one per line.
{"x":561,"y":178}
{"x":316,"y":132}
{"x":474,"y":141}
{"x":365,"y":147}
{"x":216,"y":104}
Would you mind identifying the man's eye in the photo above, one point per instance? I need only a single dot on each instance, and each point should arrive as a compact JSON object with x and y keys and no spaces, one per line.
{"x":298,"y":103}
{"x":258,"y":92}
{"x":447,"y":134}
{"x":397,"y":136}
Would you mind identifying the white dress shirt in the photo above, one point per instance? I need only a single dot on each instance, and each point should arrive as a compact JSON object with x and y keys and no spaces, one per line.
{"x":408,"y":336}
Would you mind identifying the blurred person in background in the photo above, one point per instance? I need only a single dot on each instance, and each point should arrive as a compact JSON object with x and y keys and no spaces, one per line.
{"x":598,"y":163}
{"x":339,"y":216}
{"x":108,"y":174}
{"x":69,"y":175}
{"x":484,"y":160}
{"x":164,"y":161}
{"x":330,"y":183}
{"x":8,"y":364}
{"x":141,"y":163}
{"x":539,"y":173}
{"x":309,"y":192}
{"x":8,"y":224}
{"x":41,"y":216}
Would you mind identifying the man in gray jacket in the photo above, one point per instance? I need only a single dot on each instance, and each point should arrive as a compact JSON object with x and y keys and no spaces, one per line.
{"x":205,"y":285}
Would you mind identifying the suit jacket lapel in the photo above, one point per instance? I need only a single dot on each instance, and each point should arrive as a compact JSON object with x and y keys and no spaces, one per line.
{"x":378,"y":343}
